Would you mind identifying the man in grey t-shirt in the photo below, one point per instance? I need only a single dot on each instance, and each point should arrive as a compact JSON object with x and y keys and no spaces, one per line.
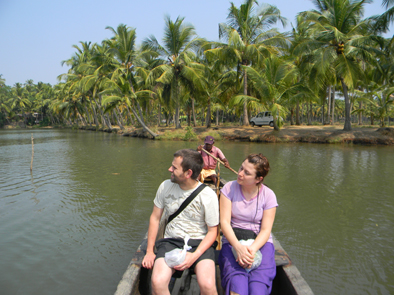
{"x":199,"y":220}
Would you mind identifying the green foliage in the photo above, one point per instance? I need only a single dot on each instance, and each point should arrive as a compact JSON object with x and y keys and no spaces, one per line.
{"x":252,"y":68}
{"x":190,"y":135}
{"x":212,"y":133}
{"x":178,"y":134}
{"x":2,"y":120}
{"x":45,"y":122}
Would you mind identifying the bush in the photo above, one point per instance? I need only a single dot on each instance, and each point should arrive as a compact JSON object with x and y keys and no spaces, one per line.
{"x":190,"y":135}
{"x":177,"y":134}
{"x":212,"y":133}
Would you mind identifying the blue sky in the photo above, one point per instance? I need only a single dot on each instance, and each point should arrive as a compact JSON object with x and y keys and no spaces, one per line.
{"x":37,"y":35}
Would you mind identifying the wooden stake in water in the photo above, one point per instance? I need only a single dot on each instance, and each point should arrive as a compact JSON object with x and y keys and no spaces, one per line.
{"x":32,"y":152}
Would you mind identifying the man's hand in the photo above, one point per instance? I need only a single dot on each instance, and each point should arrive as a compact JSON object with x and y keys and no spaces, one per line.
{"x":154,"y":221}
{"x":149,"y":260}
{"x":199,"y":148}
{"x":188,"y":262}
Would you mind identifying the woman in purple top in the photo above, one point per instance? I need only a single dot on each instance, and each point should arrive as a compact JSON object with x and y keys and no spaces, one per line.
{"x":247,"y":210}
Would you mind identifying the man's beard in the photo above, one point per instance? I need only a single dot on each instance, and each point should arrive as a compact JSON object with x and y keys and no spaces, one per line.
{"x":174,"y":179}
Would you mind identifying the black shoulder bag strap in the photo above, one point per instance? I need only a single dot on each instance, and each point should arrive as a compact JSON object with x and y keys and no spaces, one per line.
{"x":186,"y":202}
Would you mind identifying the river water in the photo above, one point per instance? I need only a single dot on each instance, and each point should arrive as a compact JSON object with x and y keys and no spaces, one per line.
{"x":72,"y":225}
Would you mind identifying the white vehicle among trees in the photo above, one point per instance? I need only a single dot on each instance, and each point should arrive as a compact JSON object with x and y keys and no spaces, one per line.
{"x":263,"y":118}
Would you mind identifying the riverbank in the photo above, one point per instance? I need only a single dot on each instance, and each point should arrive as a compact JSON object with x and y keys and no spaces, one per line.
{"x":328,"y":134}
{"x":309,"y":134}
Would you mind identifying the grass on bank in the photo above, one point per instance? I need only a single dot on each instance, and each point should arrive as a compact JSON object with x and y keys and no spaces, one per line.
{"x":187,"y":134}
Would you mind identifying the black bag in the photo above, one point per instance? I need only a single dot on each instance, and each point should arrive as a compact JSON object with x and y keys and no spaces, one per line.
{"x":244,"y":234}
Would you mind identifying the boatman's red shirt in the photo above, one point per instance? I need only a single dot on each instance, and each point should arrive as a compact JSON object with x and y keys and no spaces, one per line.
{"x":209,"y":162}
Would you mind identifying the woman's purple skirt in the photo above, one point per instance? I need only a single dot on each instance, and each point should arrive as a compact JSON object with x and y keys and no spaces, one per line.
{"x":235,"y":278}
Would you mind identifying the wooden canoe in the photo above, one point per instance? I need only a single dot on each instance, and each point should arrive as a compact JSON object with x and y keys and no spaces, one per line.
{"x":135,"y":280}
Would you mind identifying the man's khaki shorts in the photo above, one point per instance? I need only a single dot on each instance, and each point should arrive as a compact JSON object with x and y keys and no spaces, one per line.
{"x":206,"y":173}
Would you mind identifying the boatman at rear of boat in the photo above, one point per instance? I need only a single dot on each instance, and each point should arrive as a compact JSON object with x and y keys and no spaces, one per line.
{"x":199,"y":220}
{"x":208,"y":171}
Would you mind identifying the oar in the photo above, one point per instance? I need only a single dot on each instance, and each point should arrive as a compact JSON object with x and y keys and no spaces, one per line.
{"x":218,"y":239}
{"x":220,"y":161}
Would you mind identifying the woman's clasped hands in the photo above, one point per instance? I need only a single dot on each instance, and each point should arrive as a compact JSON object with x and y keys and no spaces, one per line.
{"x":245,"y":255}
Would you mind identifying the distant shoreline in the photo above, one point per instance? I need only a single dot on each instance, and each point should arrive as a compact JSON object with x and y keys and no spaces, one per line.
{"x":327,"y":134}
{"x":288,"y":134}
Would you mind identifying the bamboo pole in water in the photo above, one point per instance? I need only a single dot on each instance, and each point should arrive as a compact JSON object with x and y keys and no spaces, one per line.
{"x":32,"y":153}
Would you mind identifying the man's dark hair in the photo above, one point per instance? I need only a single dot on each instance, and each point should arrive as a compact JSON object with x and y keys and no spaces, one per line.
{"x":191,"y":159}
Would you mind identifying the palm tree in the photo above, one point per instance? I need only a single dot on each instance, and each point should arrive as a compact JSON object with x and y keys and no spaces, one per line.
{"x":20,"y":101}
{"x":274,"y":84}
{"x":249,"y":39}
{"x":339,"y":43}
{"x":146,"y":62}
{"x":122,"y":45}
{"x":119,"y":92}
{"x":42,"y":98}
{"x":180,"y":71}
{"x":382,"y":104}
{"x":5,"y":102}
{"x":383,"y":21}
{"x":300,"y":35}
{"x":82,"y":80}
{"x":2,"y":81}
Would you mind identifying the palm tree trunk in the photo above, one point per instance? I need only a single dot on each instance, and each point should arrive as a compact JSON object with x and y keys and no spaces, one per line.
{"x":51,"y":117}
{"x":194,"y":114}
{"x":298,"y":123}
{"x":88,"y":115}
{"x":175,"y":90}
{"x":246,"y":119}
{"x":276,"y":127}
{"x":102,"y":114}
{"x":108,"y":120}
{"x":176,"y":118}
{"x":118,"y":119}
{"x":159,"y":115}
{"x":82,"y":119}
{"x":348,"y":123}
{"x":208,"y":117}
{"x":142,"y":123}
{"x":168,"y":117}
{"x":217,"y":117}
{"x":129,"y":114}
{"x":360,"y":114}
{"x":120,"y":116}
{"x":5,"y":116}
{"x":202,"y":116}
{"x":140,"y":111}
{"x":371,"y":116}
{"x":333,"y":105}
{"x":292,"y":116}
{"x":329,"y":103}
{"x":94,"y":113}
{"x":188,"y":115}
